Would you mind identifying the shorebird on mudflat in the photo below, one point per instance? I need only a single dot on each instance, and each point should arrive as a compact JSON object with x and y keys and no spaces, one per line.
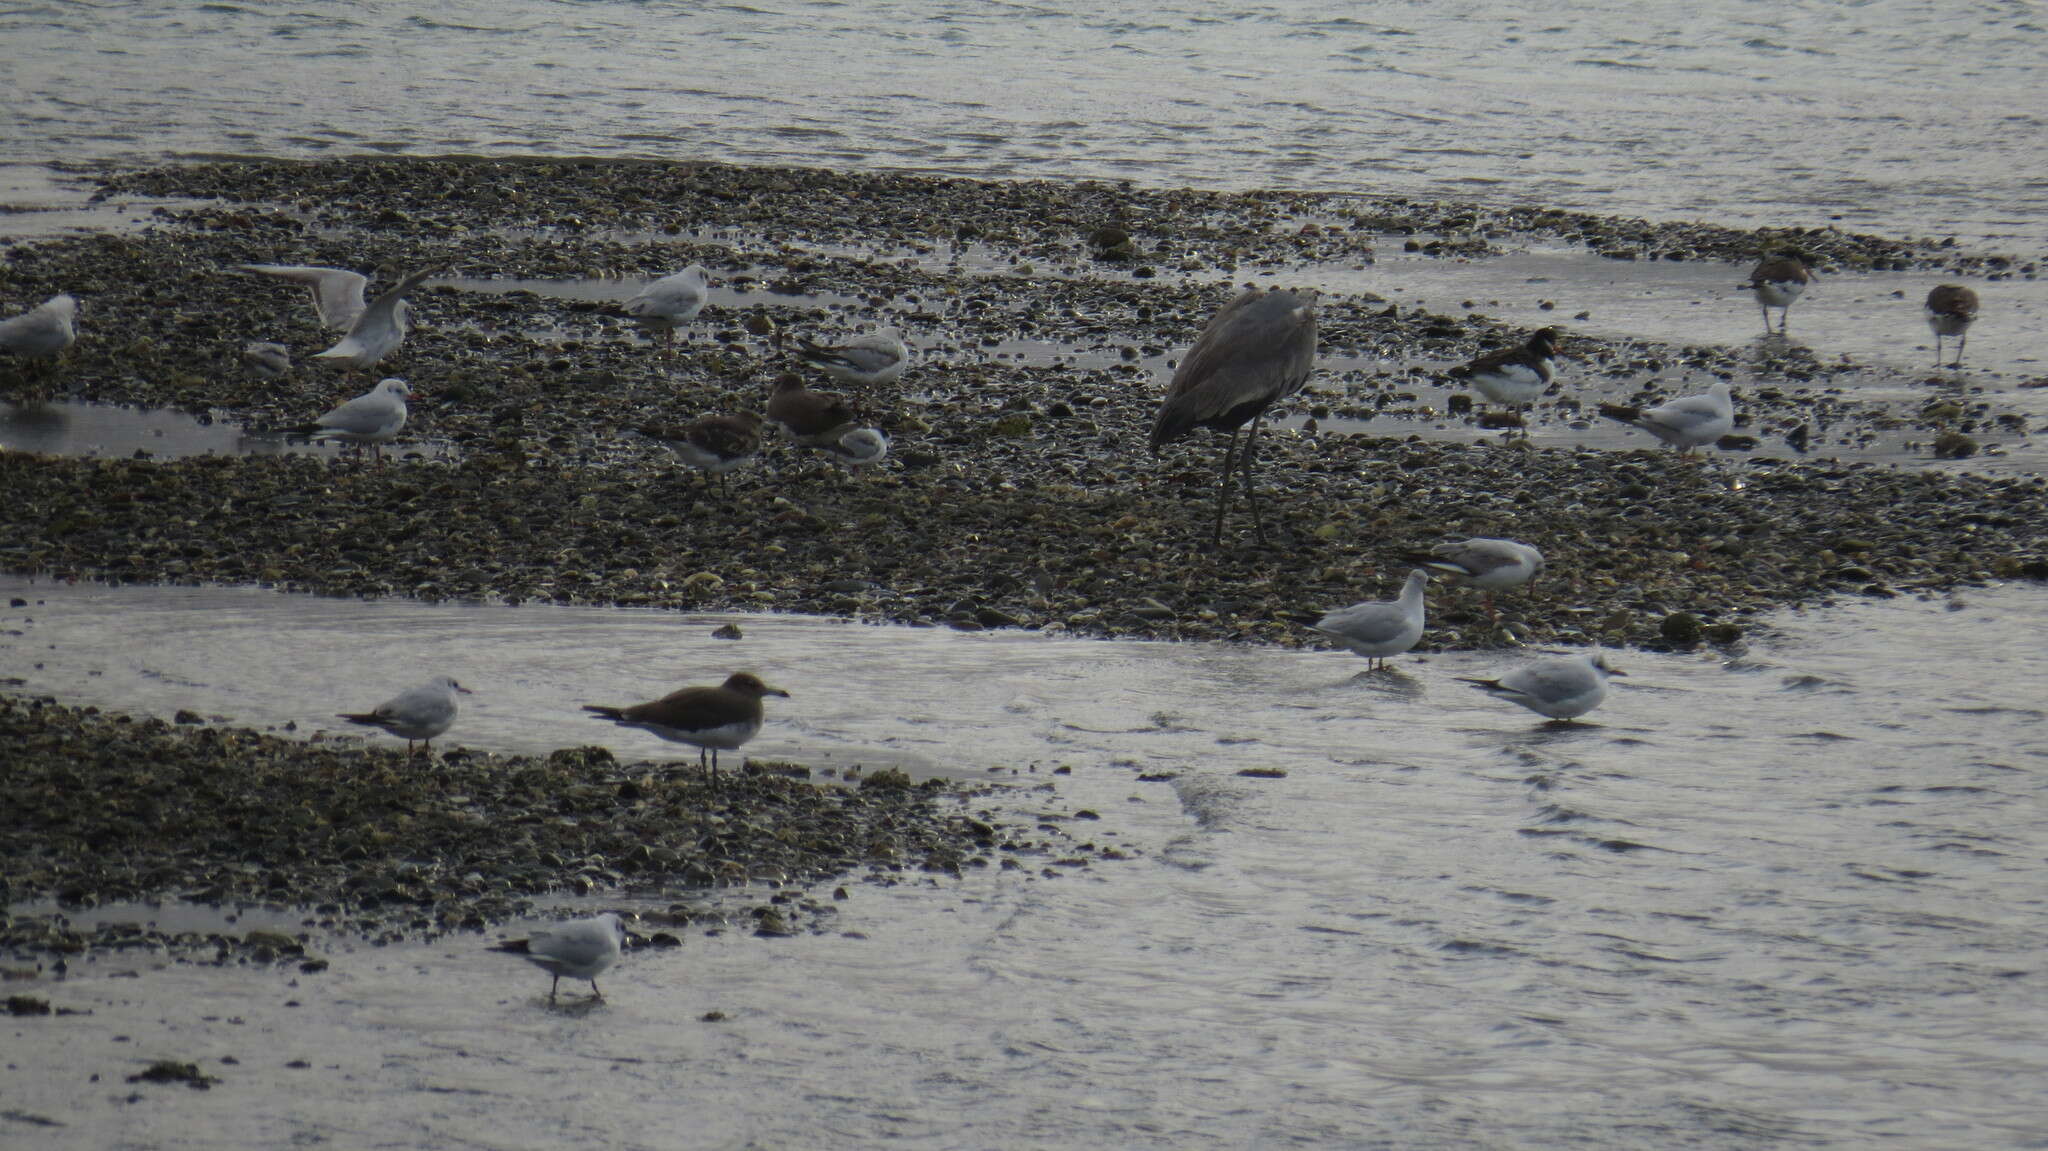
{"x":710,"y":719}
{"x":1378,"y":629}
{"x":1514,"y":377}
{"x":811,"y":419}
{"x":579,"y":949}
{"x":1777,"y":281}
{"x":875,"y":358}
{"x":670,"y":302}
{"x":379,"y":329}
{"x":1684,"y":423}
{"x":713,"y":444}
{"x":1951,"y":309}
{"x":337,"y":292}
{"x":1563,"y":688}
{"x":43,"y":331}
{"x":1487,"y":564}
{"x":419,"y":713}
{"x":1257,"y":351}
{"x":374,"y":418}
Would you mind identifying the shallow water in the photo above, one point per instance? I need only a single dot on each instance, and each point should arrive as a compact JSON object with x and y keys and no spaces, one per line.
{"x":1789,"y":898}
{"x":1903,"y":116}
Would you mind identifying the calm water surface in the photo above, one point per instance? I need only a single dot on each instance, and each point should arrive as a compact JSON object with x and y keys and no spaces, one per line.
{"x":1794,"y":897}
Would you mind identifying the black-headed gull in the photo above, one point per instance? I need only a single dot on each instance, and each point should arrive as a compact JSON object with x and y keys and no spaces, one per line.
{"x":268,"y":360}
{"x":373,"y":418}
{"x":42,"y":331}
{"x":579,"y":949}
{"x":670,"y":302}
{"x":337,"y":292}
{"x":1684,"y":423}
{"x":1488,"y":564}
{"x":875,"y":358}
{"x":1562,"y":688}
{"x":380,"y":328}
{"x":418,"y":713}
{"x":1379,"y":629}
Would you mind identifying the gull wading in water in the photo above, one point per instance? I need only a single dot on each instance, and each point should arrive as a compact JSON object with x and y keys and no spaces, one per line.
{"x":379,"y":329}
{"x":579,"y":949}
{"x":670,"y":302}
{"x":1562,"y":688}
{"x":1257,"y":351}
{"x":710,"y":719}
{"x":1488,"y":564}
{"x":1684,"y":423}
{"x":419,"y":713}
{"x":337,"y":292}
{"x":1377,"y":630}
{"x":373,"y":418}
{"x":875,"y":358}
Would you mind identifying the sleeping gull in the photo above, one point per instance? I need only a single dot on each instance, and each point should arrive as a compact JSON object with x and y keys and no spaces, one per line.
{"x":418,"y":713}
{"x":42,"y":331}
{"x":1561,"y":688}
{"x":337,"y":293}
{"x":380,"y":328}
{"x":670,"y":302}
{"x":373,"y":418}
{"x":1376,"y":629}
{"x":875,"y":358}
{"x":1487,"y":564}
{"x":268,"y":360}
{"x":579,"y":949}
{"x":1684,"y":423}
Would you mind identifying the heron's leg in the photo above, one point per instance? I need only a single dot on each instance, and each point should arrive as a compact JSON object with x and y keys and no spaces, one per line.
{"x":1223,"y":484}
{"x":1244,"y":462}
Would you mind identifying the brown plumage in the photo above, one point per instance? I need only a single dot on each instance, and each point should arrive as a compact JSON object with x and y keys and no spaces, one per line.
{"x":1777,"y":281}
{"x":1951,"y":309}
{"x":813,"y":419}
{"x":1257,"y":351}
{"x":714,"y":444}
{"x":709,"y":719}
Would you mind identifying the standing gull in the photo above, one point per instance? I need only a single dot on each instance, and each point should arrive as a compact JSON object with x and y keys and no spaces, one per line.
{"x":670,"y":302}
{"x":1684,"y":423}
{"x":1488,"y":564}
{"x":1777,"y":281}
{"x":714,"y":444}
{"x":42,"y":331}
{"x":1951,"y":309}
{"x":337,"y":293}
{"x":1257,"y":351}
{"x":373,"y":418}
{"x":419,"y":713}
{"x":1376,"y":629}
{"x":1562,"y":688}
{"x":710,"y":719}
{"x":875,"y":358}
{"x":579,"y":949}
{"x":1516,"y":376}
{"x":380,"y":328}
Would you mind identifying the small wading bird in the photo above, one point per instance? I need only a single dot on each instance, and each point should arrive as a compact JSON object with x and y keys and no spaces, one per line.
{"x":875,"y":358}
{"x":337,"y":293}
{"x":824,"y":422}
{"x":1514,"y":377}
{"x":1379,"y":629}
{"x":579,"y":949}
{"x":373,"y":418}
{"x":419,"y":713}
{"x":378,"y":330}
{"x":1487,"y":564}
{"x":1951,"y":309}
{"x":713,"y":444}
{"x":1563,"y":688}
{"x":1777,"y":281}
{"x":1257,"y":351}
{"x":1684,"y":423}
{"x":670,"y":302}
{"x":710,"y":719}
{"x":42,"y":331}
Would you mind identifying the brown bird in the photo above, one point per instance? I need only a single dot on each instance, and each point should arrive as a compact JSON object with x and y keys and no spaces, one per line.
{"x":1951,"y":309}
{"x":812,"y":419}
{"x":714,"y":444}
{"x":1777,"y":281}
{"x":1257,"y":351}
{"x":710,"y":719}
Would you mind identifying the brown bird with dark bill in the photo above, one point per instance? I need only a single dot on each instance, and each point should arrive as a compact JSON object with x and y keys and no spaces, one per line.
{"x":710,"y":719}
{"x":812,"y":419}
{"x":1951,"y":309}
{"x":713,"y":444}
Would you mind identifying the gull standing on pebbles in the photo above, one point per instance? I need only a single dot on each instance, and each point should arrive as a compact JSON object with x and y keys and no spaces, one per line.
{"x":419,"y":713}
{"x":337,"y":293}
{"x":710,"y":719}
{"x":670,"y":302}
{"x":579,"y":949}
{"x":1777,"y":281}
{"x":1562,"y":688}
{"x":875,"y":358}
{"x":373,"y":418}
{"x":1259,"y":350}
{"x":714,"y":444}
{"x":1684,"y":423}
{"x":380,"y":328}
{"x":1487,"y":564}
{"x":1517,"y":376}
{"x":1377,"y":630}
{"x":1951,"y":309}
{"x":42,"y":331}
